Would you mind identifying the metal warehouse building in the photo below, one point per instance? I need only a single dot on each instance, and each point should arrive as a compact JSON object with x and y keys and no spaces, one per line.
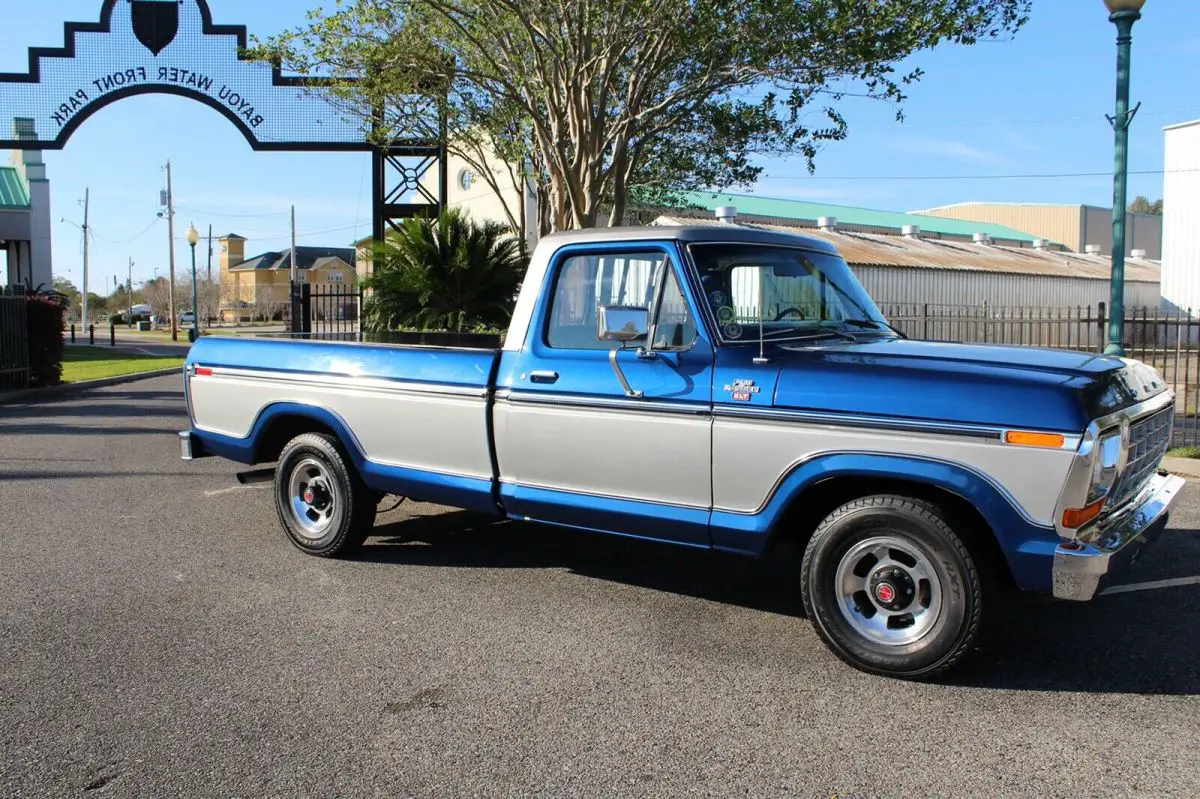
{"x":1076,"y":227}
{"x":913,"y":268}
{"x":1181,"y":217}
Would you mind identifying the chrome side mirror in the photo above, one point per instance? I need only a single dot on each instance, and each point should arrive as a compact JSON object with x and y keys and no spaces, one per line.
{"x":623,"y":323}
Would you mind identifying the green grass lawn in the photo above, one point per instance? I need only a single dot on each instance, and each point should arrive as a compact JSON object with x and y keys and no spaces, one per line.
{"x":88,"y":363}
{"x":1184,"y":452}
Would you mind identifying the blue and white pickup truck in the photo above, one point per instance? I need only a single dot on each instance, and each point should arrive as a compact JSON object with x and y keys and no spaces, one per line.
{"x":727,"y":388}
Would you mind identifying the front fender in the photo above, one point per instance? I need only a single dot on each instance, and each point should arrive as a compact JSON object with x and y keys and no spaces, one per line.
{"x":1027,"y":546}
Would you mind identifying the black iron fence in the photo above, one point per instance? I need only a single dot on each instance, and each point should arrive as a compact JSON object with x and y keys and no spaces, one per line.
{"x":14,"y":340}
{"x":326,"y":308}
{"x":1168,"y":340}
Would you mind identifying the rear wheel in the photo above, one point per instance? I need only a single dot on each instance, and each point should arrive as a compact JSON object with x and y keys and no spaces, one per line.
{"x":324,"y":507}
{"x":891,"y":589}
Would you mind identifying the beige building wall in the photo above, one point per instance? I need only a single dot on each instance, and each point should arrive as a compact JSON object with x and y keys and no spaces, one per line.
{"x":1073,"y":226}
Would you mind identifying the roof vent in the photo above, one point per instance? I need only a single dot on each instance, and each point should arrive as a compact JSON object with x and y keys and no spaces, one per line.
{"x":827,"y":223}
{"x":1093,"y":249}
{"x":726,"y":213}
{"x":911,"y":231}
{"x":1041,"y":244}
{"x":1137,"y":253}
{"x":982,"y":238}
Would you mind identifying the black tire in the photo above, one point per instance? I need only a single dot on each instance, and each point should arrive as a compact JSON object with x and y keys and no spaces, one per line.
{"x":340,"y":512}
{"x":858,"y":626}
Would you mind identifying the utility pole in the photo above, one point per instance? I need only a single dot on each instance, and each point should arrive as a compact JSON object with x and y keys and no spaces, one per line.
{"x":294,"y":285}
{"x":87,"y":195}
{"x":210,"y":253}
{"x":171,"y":234}
{"x":129,"y":295}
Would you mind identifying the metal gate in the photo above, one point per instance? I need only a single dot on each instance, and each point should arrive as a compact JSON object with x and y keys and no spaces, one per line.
{"x":326,"y":308}
{"x":14,"y":340}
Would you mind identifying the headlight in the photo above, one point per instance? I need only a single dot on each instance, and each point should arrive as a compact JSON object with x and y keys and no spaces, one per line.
{"x":1106,"y":466}
{"x":1107,"y":459}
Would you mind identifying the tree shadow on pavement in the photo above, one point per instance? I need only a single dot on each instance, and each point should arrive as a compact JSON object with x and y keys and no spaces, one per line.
{"x":1124,"y":643}
{"x":94,"y":411}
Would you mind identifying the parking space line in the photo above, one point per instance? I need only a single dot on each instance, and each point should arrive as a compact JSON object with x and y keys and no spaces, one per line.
{"x":1172,"y":583}
{"x":231,"y":490}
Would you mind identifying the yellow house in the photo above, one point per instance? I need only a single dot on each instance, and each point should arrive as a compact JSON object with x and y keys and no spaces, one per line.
{"x":258,"y":286}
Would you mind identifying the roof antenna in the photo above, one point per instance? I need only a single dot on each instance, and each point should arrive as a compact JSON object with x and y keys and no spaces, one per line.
{"x":762,"y":356}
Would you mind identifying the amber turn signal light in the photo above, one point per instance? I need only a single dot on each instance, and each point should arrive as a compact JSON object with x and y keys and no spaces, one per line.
{"x":1074,"y":518}
{"x":1026,"y":438}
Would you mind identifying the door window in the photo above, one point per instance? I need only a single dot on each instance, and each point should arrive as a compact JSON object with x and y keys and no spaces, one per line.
{"x":586,"y":282}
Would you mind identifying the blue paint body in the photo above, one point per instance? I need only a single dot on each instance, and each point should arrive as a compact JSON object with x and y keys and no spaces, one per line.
{"x":877,"y":376}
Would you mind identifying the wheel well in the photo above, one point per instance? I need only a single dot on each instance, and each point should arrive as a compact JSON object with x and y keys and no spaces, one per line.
{"x":806,"y":511}
{"x":281,"y":430}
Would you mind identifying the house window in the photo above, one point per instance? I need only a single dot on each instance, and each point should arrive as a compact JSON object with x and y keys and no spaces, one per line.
{"x":335,"y":277}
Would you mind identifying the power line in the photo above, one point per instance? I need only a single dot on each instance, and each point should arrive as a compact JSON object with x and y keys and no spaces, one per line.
{"x":1032,"y":176}
{"x":127,"y":241}
{"x":201,"y":212}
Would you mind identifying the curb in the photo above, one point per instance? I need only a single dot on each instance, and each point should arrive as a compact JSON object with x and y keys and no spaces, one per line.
{"x":33,"y":395}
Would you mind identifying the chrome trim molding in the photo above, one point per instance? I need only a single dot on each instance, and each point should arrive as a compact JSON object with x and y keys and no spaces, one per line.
{"x":1080,"y":568}
{"x":602,"y":403}
{"x":347,"y":381}
{"x":849,"y":420}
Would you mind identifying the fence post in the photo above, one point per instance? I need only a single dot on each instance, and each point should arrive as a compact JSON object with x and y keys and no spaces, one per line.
{"x":925,"y":322}
{"x":72,"y":332}
{"x":985,"y":322}
{"x":1103,"y":326}
{"x":305,"y":308}
{"x":91,"y":334}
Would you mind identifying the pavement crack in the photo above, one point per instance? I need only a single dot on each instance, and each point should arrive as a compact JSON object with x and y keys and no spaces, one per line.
{"x":425,"y":698}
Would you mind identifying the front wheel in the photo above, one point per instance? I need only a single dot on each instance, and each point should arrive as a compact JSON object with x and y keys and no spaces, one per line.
{"x":323,"y":505}
{"x":891,"y":589}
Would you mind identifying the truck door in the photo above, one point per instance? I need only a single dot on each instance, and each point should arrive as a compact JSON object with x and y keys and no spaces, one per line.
{"x":577,"y":445}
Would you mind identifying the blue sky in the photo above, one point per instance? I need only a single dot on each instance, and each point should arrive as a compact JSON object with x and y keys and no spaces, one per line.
{"x":1033,"y":105}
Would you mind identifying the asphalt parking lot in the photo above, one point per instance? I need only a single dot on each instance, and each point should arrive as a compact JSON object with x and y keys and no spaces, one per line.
{"x":159,"y":637}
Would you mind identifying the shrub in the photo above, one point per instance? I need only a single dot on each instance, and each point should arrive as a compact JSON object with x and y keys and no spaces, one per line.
{"x":44,"y":313}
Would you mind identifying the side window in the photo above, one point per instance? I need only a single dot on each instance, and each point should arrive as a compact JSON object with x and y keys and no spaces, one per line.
{"x":585,"y":282}
{"x":676,"y":328}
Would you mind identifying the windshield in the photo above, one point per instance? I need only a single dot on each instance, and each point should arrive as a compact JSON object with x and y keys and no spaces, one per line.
{"x":789,"y":293}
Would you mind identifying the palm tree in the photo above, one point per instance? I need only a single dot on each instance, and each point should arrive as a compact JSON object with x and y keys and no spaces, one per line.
{"x":447,"y":273}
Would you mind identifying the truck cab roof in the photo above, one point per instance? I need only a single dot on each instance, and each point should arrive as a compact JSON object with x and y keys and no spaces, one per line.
{"x":729,"y":233}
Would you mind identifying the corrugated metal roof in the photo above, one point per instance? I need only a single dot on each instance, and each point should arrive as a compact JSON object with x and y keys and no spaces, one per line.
{"x":14,"y":194}
{"x":876,"y":249}
{"x":850,"y":215}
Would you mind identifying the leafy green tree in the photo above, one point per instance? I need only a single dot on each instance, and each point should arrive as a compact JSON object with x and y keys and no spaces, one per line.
{"x":595,"y":101}
{"x":447,"y":273}
{"x":67,"y":289}
{"x":1142,"y":205}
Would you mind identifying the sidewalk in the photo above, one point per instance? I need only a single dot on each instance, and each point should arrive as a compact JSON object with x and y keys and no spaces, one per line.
{"x":1184,"y":467}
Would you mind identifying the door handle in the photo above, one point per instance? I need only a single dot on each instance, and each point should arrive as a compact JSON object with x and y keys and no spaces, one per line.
{"x":544,"y":377}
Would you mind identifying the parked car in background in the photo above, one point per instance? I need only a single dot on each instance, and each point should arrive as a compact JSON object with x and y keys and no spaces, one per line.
{"x":724,"y":388}
{"x":187,"y":319}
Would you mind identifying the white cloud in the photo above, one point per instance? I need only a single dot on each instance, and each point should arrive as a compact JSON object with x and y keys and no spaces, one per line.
{"x":948,"y":147}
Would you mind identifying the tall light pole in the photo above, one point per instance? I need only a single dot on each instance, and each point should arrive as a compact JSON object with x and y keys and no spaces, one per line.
{"x":1122,"y":13}
{"x":193,"y":238}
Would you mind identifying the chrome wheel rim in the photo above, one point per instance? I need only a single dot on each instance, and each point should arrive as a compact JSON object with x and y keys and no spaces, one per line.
{"x":313,"y":498}
{"x":888,"y":590}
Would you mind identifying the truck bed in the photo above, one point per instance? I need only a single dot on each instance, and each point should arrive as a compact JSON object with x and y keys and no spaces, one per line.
{"x":415,"y":418}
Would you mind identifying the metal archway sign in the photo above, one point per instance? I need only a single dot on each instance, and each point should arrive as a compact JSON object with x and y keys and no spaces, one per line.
{"x":173,"y":47}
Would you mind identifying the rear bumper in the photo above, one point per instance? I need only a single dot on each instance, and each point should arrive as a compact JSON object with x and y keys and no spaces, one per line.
{"x":190,"y":447}
{"x":1081,"y":569}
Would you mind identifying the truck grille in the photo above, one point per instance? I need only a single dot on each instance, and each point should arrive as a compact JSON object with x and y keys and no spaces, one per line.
{"x":1149,"y":439}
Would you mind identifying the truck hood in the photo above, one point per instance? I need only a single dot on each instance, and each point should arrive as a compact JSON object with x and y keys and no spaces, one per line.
{"x":979,"y":384}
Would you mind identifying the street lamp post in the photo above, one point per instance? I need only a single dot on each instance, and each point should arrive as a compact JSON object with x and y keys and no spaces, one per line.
{"x":193,"y":238}
{"x":1122,"y":13}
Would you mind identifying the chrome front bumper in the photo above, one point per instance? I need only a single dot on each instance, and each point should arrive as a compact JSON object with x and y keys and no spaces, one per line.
{"x":1079,"y":569}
